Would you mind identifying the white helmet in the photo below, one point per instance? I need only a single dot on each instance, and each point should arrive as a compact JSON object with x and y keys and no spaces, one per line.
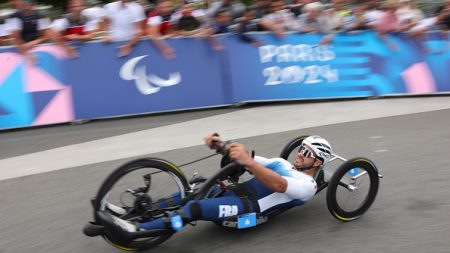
{"x":320,"y":146}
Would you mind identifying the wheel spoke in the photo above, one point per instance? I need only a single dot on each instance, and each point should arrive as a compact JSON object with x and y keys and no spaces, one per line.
{"x":360,"y":181}
{"x":346,"y":199}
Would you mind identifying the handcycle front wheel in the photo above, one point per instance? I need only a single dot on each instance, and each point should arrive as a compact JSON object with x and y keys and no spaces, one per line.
{"x":352,"y":189}
{"x":141,"y":190}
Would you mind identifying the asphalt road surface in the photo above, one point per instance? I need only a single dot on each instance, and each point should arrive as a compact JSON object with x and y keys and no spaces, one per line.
{"x":45,"y":212}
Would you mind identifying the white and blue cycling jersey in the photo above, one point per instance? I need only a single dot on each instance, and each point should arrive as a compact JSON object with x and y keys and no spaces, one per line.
{"x":300,"y":186}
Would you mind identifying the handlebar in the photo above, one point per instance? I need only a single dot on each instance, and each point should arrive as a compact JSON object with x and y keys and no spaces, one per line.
{"x":220,"y":147}
{"x":220,"y":175}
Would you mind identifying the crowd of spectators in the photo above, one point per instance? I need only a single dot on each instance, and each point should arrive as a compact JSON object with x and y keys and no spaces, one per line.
{"x":132,"y":22}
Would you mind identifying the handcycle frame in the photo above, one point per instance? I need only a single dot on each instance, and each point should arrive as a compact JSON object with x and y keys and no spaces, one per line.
{"x":231,"y":172}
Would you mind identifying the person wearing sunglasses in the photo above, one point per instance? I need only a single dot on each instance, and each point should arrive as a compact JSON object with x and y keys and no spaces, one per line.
{"x":276,"y":184}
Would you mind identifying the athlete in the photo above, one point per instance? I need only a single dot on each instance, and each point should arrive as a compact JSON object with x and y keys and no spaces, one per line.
{"x":276,"y":184}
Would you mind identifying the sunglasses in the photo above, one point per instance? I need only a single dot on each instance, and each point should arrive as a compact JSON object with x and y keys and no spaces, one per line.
{"x":306,"y":152}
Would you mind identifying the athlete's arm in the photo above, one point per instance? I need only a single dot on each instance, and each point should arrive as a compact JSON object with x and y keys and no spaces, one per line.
{"x":270,"y":178}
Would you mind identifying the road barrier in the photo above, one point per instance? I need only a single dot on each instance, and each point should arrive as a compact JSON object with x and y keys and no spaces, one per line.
{"x":99,"y":85}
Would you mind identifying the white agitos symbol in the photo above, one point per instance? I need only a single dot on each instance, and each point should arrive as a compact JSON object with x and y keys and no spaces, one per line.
{"x":129,"y":72}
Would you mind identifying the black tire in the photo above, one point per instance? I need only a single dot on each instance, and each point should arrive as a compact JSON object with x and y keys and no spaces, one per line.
{"x":292,"y":146}
{"x":338,"y":211}
{"x":155,"y":164}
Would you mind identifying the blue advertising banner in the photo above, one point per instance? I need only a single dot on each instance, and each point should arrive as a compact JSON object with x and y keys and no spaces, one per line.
{"x":106,"y":86}
{"x":54,"y":89}
{"x":353,"y":65}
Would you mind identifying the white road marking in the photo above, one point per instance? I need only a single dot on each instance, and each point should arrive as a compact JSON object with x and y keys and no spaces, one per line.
{"x":381,"y":150}
{"x":375,"y":137}
{"x":235,"y":125}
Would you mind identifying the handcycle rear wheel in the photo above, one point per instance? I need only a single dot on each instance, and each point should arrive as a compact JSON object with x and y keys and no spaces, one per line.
{"x":348,"y":181}
{"x":166,"y":187}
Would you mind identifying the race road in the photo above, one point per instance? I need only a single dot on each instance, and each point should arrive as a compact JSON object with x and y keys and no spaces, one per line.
{"x":48,"y":176}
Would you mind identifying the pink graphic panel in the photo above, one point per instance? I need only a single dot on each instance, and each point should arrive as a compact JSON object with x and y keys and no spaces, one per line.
{"x":38,"y":80}
{"x":8,"y":63}
{"x":419,"y":79}
{"x":60,"y":109}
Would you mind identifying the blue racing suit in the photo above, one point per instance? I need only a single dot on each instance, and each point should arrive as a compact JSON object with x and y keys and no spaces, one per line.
{"x":300,"y":188}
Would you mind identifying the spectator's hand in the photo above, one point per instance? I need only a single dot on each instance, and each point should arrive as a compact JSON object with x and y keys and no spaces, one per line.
{"x":71,"y":52}
{"x":70,"y":37}
{"x":124,"y":50}
{"x":31,"y":58}
{"x":392,"y":47}
{"x":309,"y":30}
{"x":24,"y":48}
{"x":239,"y":154}
{"x":73,"y":37}
{"x":107,"y":39}
{"x":168,"y":53}
{"x":218,"y":47}
{"x":325,"y":41}
{"x":256,"y":43}
{"x":280,"y":33}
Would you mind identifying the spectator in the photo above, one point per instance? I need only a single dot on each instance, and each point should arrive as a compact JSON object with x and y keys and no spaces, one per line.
{"x":27,"y":27}
{"x":443,"y":16}
{"x":74,"y":26}
{"x":262,"y":8}
{"x":146,"y":6}
{"x":95,"y":14}
{"x":342,"y":8}
{"x":235,"y":8}
{"x":279,"y":20}
{"x":309,"y":19}
{"x":440,"y":20}
{"x":221,"y":22}
{"x":220,"y":25}
{"x":160,"y":21}
{"x":159,"y":24}
{"x":409,"y":15}
{"x":4,"y":31}
{"x":345,"y":15}
{"x":124,"y":22}
{"x":356,"y":20}
{"x":331,"y":19}
{"x":440,"y":23}
{"x":297,"y":6}
{"x":316,"y":20}
{"x":189,"y":21}
{"x":388,"y":23}
{"x":248,"y":24}
{"x":372,"y":13}
{"x":16,"y":4}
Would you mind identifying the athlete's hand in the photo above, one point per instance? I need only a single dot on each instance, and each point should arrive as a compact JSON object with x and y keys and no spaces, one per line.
{"x":239,"y":154}
{"x":213,"y":140}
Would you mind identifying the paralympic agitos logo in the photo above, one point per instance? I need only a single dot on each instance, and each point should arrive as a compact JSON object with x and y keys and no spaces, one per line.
{"x":146,"y":84}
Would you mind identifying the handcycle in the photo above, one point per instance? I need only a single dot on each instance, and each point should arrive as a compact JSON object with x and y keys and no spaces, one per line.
{"x":161,"y":187}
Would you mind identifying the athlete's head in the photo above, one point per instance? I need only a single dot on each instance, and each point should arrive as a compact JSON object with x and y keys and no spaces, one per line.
{"x":313,"y":152}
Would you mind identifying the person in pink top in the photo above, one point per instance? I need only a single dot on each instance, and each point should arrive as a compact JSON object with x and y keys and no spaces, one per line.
{"x":388,"y":23}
